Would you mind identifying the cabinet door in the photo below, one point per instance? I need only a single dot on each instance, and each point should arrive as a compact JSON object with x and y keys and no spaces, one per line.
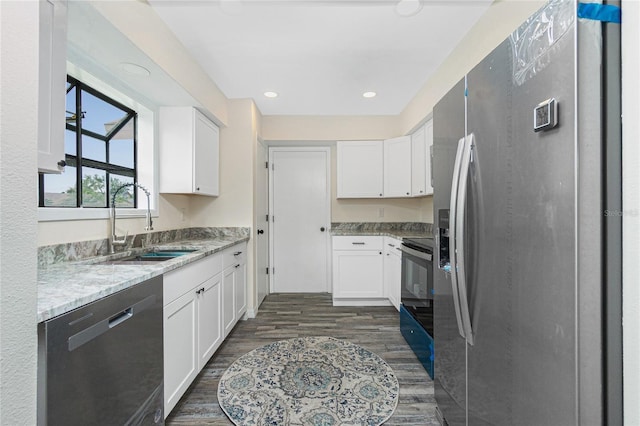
{"x":418,"y":163}
{"x":205,"y":156}
{"x":358,"y":273}
{"x":240,"y":286}
{"x":52,"y":82}
{"x":180,"y":348}
{"x":209,"y":318}
{"x":392,"y":271}
{"x":359,"y":169}
{"x":228,"y":299}
{"x":397,"y":167}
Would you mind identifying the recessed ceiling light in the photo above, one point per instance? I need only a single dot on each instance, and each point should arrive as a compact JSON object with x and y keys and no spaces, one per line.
{"x":271,"y":94}
{"x":135,"y":69}
{"x":369,"y":94}
{"x":406,"y":8}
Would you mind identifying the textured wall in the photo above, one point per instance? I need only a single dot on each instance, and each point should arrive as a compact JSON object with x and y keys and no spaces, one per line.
{"x":18,"y":165}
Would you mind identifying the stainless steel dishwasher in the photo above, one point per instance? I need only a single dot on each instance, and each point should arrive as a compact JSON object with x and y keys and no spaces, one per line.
{"x":102,"y":364}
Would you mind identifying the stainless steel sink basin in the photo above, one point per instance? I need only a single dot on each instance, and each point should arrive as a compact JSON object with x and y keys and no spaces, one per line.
{"x":148,"y":257}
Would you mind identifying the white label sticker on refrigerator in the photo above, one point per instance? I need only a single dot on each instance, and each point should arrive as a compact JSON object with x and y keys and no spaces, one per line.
{"x":545,"y":115}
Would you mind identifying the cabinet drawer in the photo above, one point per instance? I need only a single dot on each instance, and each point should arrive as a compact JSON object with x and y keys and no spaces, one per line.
{"x":181,"y":280}
{"x":357,"y":243}
{"x":234,"y":255}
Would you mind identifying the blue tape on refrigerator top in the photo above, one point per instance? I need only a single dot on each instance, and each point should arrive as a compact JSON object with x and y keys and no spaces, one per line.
{"x":600,"y":12}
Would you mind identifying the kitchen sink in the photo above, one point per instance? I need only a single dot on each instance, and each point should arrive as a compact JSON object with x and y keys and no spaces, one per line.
{"x":148,"y":257}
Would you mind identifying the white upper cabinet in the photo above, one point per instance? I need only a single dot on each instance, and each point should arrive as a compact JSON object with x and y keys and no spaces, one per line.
{"x":360,"y":169}
{"x":52,"y":85}
{"x":397,"y":167}
{"x":421,"y":142}
{"x":189,"y":152}
{"x":393,"y":168}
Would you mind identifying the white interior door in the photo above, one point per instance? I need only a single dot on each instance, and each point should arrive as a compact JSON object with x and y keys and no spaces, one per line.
{"x":300,"y":208}
{"x":262,"y":231}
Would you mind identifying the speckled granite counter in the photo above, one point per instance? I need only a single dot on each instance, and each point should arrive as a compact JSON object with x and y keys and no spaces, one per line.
{"x":397,"y":230}
{"x":64,"y":286}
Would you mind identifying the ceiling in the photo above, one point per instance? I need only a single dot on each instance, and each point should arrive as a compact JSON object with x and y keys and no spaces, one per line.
{"x":320,"y":55}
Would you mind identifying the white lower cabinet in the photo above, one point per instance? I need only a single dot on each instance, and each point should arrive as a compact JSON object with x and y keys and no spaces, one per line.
{"x":180,"y":348}
{"x":234,"y":283}
{"x":366,"y":271}
{"x":228,"y":298}
{"x":192,"y":323}
{"x":357,"y":270}
{"x":392,"y":270}
{"x":209,"y":323}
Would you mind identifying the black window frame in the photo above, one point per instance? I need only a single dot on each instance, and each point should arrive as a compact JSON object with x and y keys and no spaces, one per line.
{"x":74,"y":124}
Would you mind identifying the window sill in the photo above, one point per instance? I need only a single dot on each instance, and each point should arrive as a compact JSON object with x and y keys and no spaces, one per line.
{"x":52,"y":214}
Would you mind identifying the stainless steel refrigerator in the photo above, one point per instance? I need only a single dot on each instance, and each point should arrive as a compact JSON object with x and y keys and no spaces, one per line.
{"x":526,"y":164}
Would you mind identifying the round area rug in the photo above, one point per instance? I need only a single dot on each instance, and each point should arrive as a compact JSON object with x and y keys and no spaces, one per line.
{"x":309,"y":381}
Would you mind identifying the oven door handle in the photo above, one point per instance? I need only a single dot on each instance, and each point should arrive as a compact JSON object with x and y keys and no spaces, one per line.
{"x":416,"y":253}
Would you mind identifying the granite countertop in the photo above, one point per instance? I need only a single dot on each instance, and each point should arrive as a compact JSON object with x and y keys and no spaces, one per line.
{"x":397,"y":230}
{"x":65,"y":286}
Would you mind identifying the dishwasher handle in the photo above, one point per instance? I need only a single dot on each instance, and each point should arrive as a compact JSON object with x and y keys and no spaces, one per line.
{"x":96,"y":330}
{"x":121,"y":317}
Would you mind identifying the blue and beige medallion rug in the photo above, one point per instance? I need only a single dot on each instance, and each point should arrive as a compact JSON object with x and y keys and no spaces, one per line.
{"x":309,"y":381}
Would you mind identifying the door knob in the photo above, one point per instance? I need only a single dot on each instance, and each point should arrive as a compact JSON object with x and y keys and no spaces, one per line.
{"x":322,"y":229}
{"x":260,"y":231}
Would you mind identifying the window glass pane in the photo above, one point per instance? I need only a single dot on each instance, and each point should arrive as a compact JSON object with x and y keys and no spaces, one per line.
{"x":99,"y":116}
{"x":121,"y":147}
{"x":124,"y":198}
{"x":94,"y":149}
{"x":60,"y":190}
{"x":93,"y":187}
{"x":71,"y":106}
{"x":69,"y":142}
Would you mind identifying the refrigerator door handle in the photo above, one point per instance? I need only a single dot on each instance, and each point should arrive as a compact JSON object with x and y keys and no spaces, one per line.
{"x":455,"y":183}
{"x":460,"y":237}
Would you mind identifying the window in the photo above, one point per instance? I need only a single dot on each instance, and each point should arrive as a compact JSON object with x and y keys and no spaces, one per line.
{"x":100,"y":152}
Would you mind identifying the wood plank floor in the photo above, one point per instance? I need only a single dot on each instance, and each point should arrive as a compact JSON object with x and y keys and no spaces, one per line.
{"x":284,"y":316}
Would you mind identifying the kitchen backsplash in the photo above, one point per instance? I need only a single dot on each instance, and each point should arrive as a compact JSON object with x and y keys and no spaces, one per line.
{"x":56,"y":253}
{"x":391,"y":227}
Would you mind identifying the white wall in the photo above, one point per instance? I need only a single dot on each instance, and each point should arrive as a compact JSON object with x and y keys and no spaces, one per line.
{"x":631,"y":207}
{"x":234,"y":206}
{"x":18,"y":165}
{"x":328,"y":128}
{"x":493,"y":27}
{"x":142,"y":25}
{"x":174,"y":213}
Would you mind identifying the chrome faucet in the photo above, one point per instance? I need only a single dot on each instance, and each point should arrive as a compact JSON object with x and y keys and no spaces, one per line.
{"x":115,"y":240}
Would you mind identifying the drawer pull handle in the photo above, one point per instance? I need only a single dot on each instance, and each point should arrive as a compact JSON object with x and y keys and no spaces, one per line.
{"x":238,"y":253}
{"x":357,"y":244}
